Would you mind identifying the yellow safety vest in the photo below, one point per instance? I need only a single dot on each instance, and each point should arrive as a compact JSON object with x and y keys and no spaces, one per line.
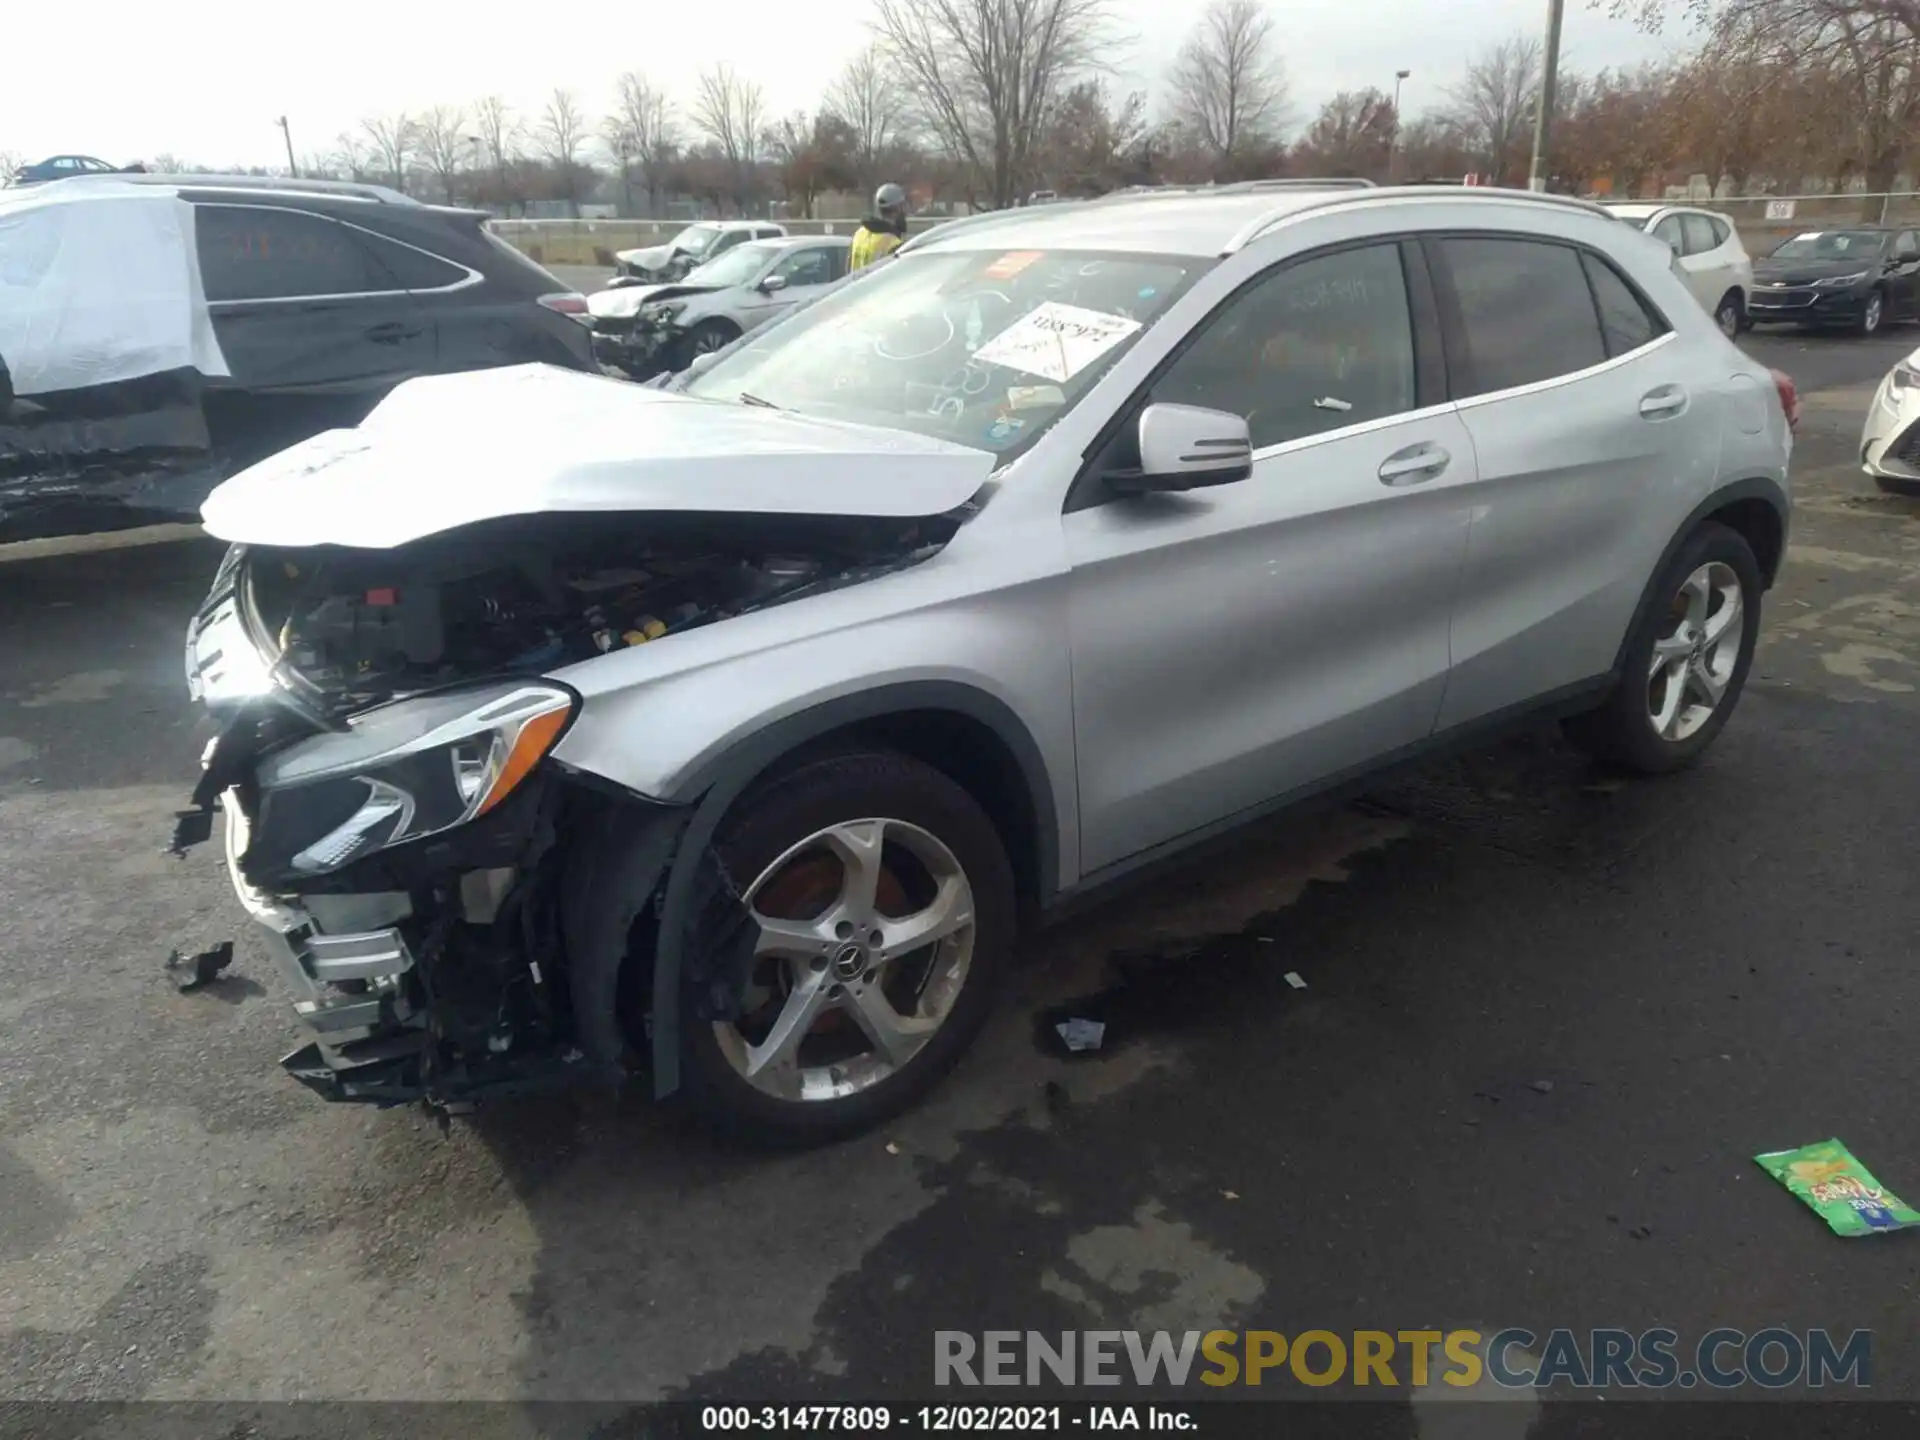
{"x":871,"y":245}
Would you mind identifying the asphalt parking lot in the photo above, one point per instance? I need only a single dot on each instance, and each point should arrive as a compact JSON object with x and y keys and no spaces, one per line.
{"x":1548,"y":1018}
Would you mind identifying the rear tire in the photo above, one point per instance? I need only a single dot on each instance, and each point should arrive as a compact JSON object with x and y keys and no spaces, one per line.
{"x":1730,"y":315}
{"x":1645,"y":725}
{"x":936,"y":855}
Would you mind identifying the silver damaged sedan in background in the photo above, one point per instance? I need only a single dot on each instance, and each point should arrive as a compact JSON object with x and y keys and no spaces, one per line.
{"x":728,"y":735}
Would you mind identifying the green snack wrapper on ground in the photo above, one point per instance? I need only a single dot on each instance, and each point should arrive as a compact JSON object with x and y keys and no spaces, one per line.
{"x":1839,"y":1188}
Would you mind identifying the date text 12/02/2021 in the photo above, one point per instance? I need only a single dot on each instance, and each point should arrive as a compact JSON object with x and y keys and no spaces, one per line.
{"x":939,"y":1419}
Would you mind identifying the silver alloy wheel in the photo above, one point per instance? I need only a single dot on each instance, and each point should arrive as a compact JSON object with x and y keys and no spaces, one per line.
{"x":884,"y":981}
{"x":1694,"y":662}
{"x":1870,"y":321}
{"x":1729,"y":318}
{"x":708,"y":339}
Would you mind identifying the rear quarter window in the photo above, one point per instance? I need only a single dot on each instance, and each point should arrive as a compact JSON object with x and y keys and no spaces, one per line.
{"x":1626,"y":321}
{"x":411,"y":267}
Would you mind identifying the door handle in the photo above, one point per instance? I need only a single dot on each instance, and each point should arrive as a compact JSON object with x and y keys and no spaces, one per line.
{"x":1660,"y":404}
{"x":392,"y":332}
{"x":1414,"y":465}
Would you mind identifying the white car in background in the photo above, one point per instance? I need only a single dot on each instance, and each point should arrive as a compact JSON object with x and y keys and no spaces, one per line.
{"x":1712,"y":260}
{"x":641,"y":330}
{"x":1890,"y":440}
{"x":692,"y":247}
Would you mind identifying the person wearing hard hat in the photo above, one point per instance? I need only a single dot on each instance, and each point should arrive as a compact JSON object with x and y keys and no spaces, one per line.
{"x":880,"y":233}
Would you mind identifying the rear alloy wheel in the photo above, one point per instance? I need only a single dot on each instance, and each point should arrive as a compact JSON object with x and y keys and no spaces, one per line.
{"x":1731,"y":316}
{"x":1686,"y":661}
{"x":882,"y":902}
{"x":1874,"y":312}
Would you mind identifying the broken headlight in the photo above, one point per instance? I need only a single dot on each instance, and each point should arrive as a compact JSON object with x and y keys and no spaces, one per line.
{"x":401,"y":772}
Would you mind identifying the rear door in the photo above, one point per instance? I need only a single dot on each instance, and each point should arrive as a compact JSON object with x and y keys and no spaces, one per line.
{"x":302,"y":303}
{"x":1584,"y":416}
{"x":1235,"y":644}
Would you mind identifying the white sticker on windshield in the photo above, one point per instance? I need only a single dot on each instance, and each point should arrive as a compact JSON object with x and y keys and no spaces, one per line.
{"x":1055,"y":341}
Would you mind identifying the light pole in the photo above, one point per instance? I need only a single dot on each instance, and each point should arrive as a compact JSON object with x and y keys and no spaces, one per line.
{"x":1393,"y":140}
{"x":1543,"y":117}
{"x":292,"y":169}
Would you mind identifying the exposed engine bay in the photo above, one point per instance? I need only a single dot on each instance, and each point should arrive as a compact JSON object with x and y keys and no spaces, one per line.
{"x":424,"y":875}
{"x":357,"y":627}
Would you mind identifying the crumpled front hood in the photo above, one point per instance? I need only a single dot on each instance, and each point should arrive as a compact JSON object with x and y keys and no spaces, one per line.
{"x":450,"y":450}
{"x":651,"y":257}
{"x":629,"y":300}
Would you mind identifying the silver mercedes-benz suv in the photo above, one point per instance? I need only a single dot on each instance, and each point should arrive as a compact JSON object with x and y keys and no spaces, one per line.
{"x":727,"y":734}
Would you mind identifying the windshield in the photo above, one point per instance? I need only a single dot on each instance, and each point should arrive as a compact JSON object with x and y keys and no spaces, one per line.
{"x":736,"y":267}
{"x":1831,"y":245}
{"x":983,"y":348}
{"x":695,"y":239}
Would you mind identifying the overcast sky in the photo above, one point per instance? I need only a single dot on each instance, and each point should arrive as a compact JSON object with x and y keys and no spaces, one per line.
{"x":204,"y":80}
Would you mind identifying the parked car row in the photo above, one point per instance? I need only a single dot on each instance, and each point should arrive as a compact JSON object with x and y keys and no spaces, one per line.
{"x":726,"y":734}
{"x":1857,"y":277}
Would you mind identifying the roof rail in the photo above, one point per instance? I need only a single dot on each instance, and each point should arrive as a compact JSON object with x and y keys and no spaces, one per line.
{"x":1296,"y":182}
{"x":1481,"y":193}
{"x":285,"y":184}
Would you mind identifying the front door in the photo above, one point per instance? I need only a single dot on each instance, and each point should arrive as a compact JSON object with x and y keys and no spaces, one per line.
{"x":1236,"y":644}
{"x":805,"y":271}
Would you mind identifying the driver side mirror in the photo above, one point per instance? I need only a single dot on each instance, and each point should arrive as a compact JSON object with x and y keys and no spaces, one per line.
{"x":1185,"y":447}
{"x":773,"y":284}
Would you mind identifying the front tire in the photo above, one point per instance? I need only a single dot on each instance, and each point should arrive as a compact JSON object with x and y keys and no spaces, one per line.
{"x":1873,"y":314}
{"x":1686,"y":659}
{"x":704,"y":339}
{"x":883,"y":908}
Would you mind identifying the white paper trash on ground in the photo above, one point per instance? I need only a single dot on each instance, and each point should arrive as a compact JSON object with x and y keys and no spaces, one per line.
{"x":1081,"y":1035}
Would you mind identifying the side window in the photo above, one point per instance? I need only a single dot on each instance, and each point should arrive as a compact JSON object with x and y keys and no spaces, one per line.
{"x":1526,"y":311}
{"x":250,"y":252}
{"x":728,"y":239}
{"x":1906,"y":245}
{"x":813,"y":266}
{"x":1625,"y":320}
{"x":1722,"y":232}
{"x":1669,"y":231}
{"x":411,"y":268}
{"x":1313,"y":346}
{"x":1700,"y":234}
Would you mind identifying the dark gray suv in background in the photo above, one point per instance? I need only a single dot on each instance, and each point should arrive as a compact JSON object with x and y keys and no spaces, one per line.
{"x":183,"y":327}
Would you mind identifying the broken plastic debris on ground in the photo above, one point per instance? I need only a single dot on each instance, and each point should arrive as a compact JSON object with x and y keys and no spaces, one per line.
{"x":1080,"y":1035}
{"x":1839,"y":1189}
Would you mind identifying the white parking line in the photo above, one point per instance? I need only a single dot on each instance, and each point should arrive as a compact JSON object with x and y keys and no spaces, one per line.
{"x":90,"y":544}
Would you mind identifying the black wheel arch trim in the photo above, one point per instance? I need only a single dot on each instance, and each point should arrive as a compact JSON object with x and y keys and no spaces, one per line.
{"x":1755,"y":488}
{"x":711,"y":790}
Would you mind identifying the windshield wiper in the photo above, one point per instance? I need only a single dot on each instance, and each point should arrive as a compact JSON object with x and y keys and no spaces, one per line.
{"x":746,"y":399}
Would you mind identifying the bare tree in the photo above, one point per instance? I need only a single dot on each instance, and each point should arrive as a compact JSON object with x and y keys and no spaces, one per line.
{"x":562,"y":132}
{"x":866,"y":98}
{"x":642,"y":131}
{"x":986,"y":73}
{"x":498,"y":129}
{"x":1229,"y":87}
{"x":1352,"y":135}
{"x":443,"y":144}
{"x":10,"y":161}
{"x":392,"y":139}
{"x":1492,"y":105}
{"x":731,"y":112}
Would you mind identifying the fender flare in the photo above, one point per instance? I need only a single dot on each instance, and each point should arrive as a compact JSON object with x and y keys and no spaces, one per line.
{"x":712,"y":789}
{"x":1757,"y":488}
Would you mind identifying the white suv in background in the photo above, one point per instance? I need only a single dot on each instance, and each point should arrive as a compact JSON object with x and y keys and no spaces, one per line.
{"x":1712,"y":260}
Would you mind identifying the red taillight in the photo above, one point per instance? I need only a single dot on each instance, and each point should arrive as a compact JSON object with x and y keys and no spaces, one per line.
{"x":1789,"y":398}
{"x":567,"y":302}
